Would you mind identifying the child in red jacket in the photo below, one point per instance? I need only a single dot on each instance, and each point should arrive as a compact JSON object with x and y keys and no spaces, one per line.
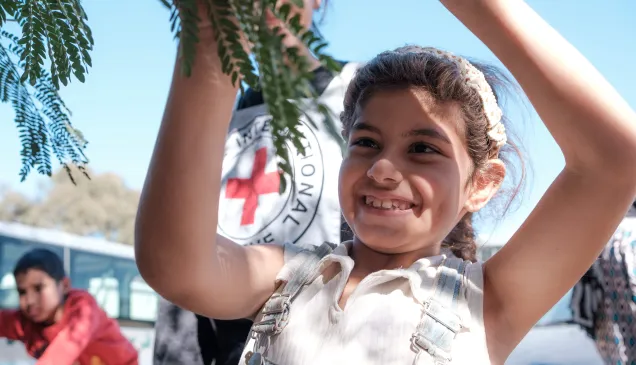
{"x":59,"y":325}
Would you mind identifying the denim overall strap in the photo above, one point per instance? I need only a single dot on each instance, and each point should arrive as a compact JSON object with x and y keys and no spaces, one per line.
{"x":304,"y":268}
{"x":440,"y":321}
{"x":275,"y":312}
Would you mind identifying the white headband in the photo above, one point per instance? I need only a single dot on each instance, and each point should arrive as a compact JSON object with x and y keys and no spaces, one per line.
{"x":476,"y":80}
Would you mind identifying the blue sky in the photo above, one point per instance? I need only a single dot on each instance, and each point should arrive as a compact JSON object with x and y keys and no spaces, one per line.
{"x":120,"y":105}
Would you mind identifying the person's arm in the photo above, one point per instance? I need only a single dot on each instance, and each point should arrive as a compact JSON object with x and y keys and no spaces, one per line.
{"x":85,"y":318}
{"x":596,"y":131}
{"x":177,"y":248}
{"x":10,"y":323}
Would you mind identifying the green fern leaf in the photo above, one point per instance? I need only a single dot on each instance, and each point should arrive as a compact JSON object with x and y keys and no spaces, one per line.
{"x":42,"y":118}
{"x":281,"y":73}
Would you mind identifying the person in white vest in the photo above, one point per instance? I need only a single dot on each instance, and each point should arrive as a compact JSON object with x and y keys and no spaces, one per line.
{"x":426,"y":147}
{"x":253,"y":212}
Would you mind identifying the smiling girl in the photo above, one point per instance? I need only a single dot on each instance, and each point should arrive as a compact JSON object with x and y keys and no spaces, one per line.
{"x":425,"y":136}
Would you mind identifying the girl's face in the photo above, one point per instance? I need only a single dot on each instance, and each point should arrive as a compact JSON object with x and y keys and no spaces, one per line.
{"x":41,"y":296}
{"x":407,"y":178}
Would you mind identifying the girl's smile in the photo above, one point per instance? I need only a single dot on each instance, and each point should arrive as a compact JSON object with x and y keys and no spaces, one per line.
{"x":380,"y":202}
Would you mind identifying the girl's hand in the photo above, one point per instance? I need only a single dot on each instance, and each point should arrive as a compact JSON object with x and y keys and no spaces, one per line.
{"x":205,"y":13}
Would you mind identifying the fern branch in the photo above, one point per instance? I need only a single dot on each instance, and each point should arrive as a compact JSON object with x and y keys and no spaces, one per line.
{"x":57,"y":49}
{"x":42,"y":118}
{"x":283,"y":72}
{"x":72,"y":30}
{"x":30,"y":18}
{"x":6,"y":8}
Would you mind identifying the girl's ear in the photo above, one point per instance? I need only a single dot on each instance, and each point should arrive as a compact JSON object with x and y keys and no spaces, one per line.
{"x":486,"y":183}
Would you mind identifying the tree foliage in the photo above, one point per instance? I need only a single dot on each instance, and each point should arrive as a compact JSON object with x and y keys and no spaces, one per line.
{"x":285,"y":77}
{"x":56,"y":31}
{"x":103,"y":206}
{"x":53,"y":30}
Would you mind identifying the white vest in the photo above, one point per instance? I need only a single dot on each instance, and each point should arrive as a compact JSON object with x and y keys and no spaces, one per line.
{"x":251,"y":210}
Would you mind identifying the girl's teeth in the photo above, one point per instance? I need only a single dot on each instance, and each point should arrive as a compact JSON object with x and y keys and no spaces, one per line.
{"x":386,"y":204}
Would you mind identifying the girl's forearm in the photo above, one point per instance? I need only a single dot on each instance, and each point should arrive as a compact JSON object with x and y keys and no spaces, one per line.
{"x":177,"y":219}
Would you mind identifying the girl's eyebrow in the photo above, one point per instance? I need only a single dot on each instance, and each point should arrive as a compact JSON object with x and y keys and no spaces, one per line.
{"x":428,"y":132}
{"x":362,"y":126}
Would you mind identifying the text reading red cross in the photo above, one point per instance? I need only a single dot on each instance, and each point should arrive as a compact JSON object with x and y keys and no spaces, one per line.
{"x":250,"y":189}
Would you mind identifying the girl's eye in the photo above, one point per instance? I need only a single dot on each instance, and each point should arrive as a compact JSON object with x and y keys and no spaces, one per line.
{"x":421,"y":148}
{"x":365,"y":142}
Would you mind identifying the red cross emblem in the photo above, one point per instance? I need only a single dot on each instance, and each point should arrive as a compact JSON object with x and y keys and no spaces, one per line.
{"x":250,"y":189}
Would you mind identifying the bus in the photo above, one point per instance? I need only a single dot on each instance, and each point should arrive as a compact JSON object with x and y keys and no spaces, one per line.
{"x":105,"y":269}
{"x":555,"y":340}
{"x":108,"y":271}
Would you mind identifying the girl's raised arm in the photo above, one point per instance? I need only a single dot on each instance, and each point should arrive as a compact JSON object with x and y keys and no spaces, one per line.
{"x":177,"y":248}
{"x":596,"y":130}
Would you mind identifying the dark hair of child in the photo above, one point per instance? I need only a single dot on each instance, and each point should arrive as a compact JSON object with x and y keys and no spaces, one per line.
{"x":41,"y":259}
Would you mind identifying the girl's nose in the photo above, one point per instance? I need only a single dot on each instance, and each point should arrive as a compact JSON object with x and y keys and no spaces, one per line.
{"x":383,"y":171}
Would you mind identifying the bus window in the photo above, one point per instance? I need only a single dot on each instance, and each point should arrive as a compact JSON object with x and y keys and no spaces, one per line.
{"x":8,"y":292}
{"x":11,"y":250}
{"x":96,"y":274}
{"x":116,"y":285}
{"x":143,"y":301}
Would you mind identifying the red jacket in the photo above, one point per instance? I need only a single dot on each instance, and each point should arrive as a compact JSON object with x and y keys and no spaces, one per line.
{"x":85,"y":335}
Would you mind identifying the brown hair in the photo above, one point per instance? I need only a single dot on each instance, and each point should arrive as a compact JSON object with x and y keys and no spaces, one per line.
{"x":422,"y":68}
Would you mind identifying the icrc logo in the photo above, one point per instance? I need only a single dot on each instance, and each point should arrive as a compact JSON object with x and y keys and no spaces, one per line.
{"x":251,"y":210}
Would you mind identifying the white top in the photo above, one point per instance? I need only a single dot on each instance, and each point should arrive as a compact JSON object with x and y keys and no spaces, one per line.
{"x":378,"y":320}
